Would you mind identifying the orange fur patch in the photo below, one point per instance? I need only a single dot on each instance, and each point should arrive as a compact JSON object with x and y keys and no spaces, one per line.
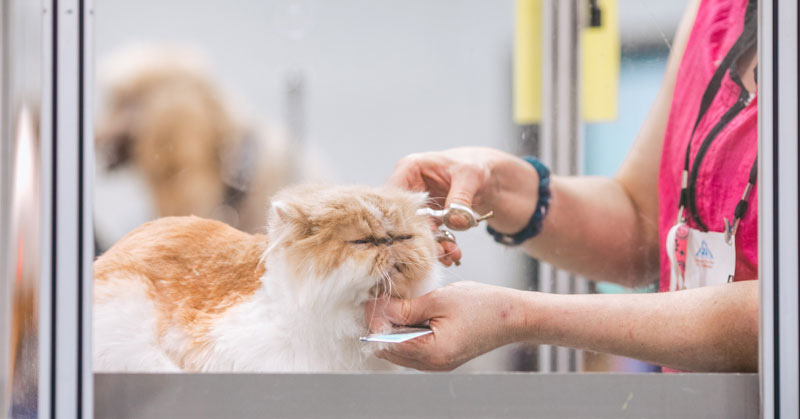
{"x":195,"y":269}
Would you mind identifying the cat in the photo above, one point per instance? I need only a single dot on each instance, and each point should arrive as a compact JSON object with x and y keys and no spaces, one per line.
{"x":195,"y":295}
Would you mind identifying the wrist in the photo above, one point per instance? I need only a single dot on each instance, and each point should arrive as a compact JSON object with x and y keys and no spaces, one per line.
{"x":524,"y":324}
{"x":515,"y":187}
{"x":537,"y":196}
{"x":532,"y":322}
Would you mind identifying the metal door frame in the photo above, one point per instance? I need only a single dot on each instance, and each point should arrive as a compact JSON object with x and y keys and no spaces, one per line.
{"x":65,"y":378}
{"x":778,"y":207}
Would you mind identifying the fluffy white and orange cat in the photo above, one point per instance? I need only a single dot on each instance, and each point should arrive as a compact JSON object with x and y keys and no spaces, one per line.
{"x":188,"y":294}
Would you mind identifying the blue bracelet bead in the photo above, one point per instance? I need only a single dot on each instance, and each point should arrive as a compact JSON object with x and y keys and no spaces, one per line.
{"x":534,"y":226}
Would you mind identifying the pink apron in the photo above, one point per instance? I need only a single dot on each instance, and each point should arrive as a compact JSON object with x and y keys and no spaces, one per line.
{"x":724,"y":171}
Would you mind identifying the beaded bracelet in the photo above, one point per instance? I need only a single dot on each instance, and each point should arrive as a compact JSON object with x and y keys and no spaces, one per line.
{"x":534,"y":226}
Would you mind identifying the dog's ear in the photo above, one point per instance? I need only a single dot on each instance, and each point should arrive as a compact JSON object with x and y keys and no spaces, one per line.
{"x":114,"y":140}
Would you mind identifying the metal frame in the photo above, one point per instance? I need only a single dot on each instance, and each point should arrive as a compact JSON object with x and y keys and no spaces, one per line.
{"x":66,"y":380}
{"x":5,"y":306}
{"x":23,"y":69}
{"x":778,"y":208}
{"x":47,"y":152}
{"x":560,"y":145}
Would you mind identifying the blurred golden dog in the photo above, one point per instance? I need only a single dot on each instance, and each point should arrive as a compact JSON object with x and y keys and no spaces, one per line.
{"x":165,"y":116}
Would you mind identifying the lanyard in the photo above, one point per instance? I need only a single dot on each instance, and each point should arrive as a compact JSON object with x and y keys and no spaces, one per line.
{"x":689,"y":177}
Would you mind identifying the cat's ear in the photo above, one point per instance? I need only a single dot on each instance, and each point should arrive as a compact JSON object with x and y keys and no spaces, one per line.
{"x":285,"y":212}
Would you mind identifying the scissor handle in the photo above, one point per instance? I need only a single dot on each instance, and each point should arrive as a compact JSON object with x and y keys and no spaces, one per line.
{"x":461,"y":210}
{"x":455,"y":208}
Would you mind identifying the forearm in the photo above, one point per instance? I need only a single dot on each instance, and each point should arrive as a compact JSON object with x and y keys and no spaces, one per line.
{"x":608,"y":228}
{"x":594,"y":229}
{"x":705,"y":329}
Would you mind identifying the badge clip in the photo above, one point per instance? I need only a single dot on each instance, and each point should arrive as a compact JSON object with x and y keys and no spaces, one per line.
{"x":730,"y":229}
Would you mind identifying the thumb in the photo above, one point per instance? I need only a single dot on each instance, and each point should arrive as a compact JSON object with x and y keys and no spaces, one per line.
{"x":463,"y":187}
{"x":407,"y":312}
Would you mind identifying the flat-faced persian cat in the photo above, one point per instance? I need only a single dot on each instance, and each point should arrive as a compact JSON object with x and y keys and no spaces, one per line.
{"x":188,"y":294}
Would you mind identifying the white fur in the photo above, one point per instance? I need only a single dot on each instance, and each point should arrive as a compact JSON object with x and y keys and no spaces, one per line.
{"x":289,"y":324}
{"x":125,"y":336}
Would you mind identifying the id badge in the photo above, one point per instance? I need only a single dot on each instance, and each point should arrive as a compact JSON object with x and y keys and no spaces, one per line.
{"x":698,"y":258}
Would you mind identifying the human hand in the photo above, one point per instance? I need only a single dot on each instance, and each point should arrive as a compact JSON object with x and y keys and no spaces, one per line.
{"x":484,"y":179}
{"x":467,"y":319}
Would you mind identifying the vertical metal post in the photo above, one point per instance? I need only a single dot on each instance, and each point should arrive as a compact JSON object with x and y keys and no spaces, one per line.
{"x":560,"y":143}
{"x":72,"y":246}
{"x":779,"y":220}
{"x":785,"y":129}
{"x":47,"y":175}
{"x":766,"y":223}
{"x":546,"y":148}
{"x":86,"y":240}
{"x":5,"y":301}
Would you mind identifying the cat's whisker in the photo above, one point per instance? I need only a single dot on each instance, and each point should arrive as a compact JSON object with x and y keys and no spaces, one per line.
{"x":420,"y":262}
{"x":371,"y":315}
{"x":433,"y":203}
{"x":388,"y":279}
{"x":427,"y":259}
{"x":384,"y":282}
{"x":455,"y":274}
{"x":422,"y":258}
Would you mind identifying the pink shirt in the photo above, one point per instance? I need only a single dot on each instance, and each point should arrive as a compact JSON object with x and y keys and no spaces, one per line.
{"x":725,"y":169}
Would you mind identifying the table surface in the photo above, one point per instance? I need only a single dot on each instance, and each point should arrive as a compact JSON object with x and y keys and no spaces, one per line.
{"x":427,"y":395}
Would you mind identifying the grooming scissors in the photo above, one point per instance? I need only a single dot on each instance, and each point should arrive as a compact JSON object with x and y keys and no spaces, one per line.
{"x":444,"y":215}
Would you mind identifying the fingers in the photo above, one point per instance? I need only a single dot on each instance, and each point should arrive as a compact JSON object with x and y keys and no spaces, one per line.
{"x":401,"y":360}
{"x":444,"y":258}
{"x":407,"y":175}
{"x":412,"y":354}
{"x":380,"y":314}
{"x":374,"y":315}
{"x":449,"y":253}
{"x":421,"y":354}
{"x":465,"y":183}
{"x":407,"y":312}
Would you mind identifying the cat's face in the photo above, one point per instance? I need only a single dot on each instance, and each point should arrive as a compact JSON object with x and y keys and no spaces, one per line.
{"x":375,"y":233}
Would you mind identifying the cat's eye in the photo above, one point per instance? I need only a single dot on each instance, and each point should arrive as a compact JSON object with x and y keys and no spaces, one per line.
{"x":381,"y":240}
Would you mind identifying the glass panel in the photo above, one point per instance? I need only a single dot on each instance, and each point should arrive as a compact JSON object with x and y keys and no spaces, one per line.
{"x":21,"y":205}
{"x":209,"y":108}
